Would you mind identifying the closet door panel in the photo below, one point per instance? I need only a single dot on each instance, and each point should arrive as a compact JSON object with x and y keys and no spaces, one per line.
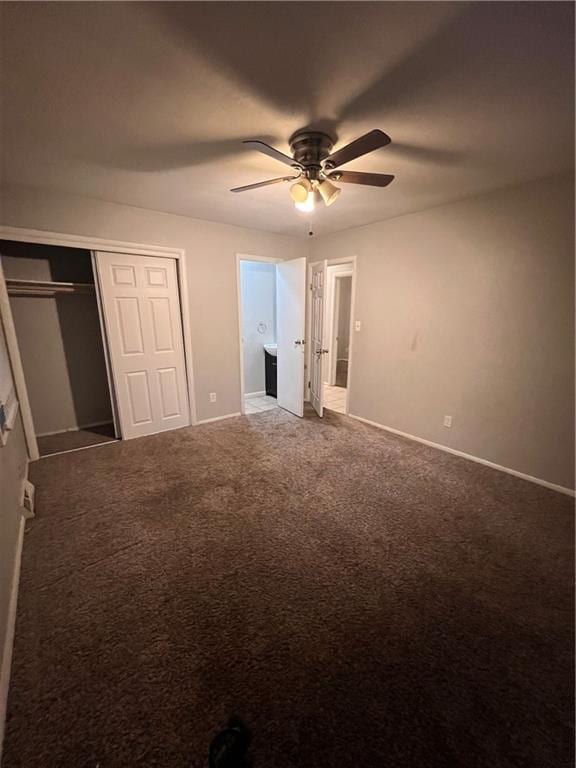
{"x":129,"y":325}
{"x":139,"y":397}
{"x":162,"y":324}
{"x":141,"y":306}
{"x":169,"y":399}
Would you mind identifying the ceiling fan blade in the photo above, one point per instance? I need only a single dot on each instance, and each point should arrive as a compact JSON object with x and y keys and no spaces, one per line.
{"x":367,"y":143}
{"x":263,"y":183}
{"x":266,"y":149}
{"x":356,"y":177}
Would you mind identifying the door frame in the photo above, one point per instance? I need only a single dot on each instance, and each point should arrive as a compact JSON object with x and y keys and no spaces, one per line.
{"x":44,"y":237}
{"x":334,"y":282}
{"x":239,"y":258}
{"x":331,"y":263}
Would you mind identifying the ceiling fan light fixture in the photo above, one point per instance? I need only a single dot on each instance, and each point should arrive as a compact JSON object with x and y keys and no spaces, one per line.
{"x":300,"y":191}
{"x":309,"y":204}
{"x":312,"y":197}
{"x":328,"y":191}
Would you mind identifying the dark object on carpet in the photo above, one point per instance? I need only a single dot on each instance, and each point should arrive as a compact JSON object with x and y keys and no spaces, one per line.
{"x":341,"y":373}
{"x":82,"y":438}
{"x":360,"y":600}
{"x":229,"y":747}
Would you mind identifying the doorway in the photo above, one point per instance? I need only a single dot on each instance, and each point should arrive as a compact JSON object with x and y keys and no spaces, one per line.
{"x":338,"y":316}
{"x":272,"y":320}
{"x":331,"y":308}
{"x":259,"y":348}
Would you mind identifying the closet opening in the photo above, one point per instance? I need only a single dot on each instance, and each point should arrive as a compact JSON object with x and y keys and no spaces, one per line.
{"x":55,"y":310}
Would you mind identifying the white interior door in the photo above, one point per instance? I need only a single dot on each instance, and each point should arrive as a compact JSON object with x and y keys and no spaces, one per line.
{"x":141,"y":306}
{"x":317,"y":350}
{"x":290,"y":332}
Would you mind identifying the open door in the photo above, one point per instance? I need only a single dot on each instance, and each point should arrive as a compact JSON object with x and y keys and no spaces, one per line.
{"x":141,"y":308}
{"x":290,"y":333}
{"x":317,"y":350}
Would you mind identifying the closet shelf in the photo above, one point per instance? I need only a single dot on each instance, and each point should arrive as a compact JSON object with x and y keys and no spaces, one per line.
{"x":18,"y":287}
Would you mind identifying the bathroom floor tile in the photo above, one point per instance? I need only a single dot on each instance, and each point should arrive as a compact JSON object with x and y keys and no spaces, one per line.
{"x":254,"y":405}
{"x":263,"y":402}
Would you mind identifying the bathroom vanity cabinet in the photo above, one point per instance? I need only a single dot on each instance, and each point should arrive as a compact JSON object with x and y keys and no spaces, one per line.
{"x":270,"y":369}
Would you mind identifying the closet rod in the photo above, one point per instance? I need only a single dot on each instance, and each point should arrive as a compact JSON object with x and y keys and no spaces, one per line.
{"x":45,"y":287}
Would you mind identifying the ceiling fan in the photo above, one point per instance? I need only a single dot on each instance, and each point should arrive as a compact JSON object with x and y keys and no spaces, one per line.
{"x":316,"y":167}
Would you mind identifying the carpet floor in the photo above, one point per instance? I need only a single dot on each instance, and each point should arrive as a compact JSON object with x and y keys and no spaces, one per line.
{"x":357,"y":599}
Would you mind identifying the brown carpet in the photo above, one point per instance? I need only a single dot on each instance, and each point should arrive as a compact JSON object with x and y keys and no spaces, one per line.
{"x":71,"y":441}
{"x":358,"y":599}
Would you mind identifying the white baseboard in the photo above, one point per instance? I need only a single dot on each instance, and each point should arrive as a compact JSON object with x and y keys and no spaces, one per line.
{"x":454,"y":452}
{"x":255,"y":394}
{"x":76,"y":429}
{"x":219,"y":418}
{"x":9,"y":637}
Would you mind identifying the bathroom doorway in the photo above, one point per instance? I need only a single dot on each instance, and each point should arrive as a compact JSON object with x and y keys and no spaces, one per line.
{"x":259,"y":350}
{"x":272,"y":324}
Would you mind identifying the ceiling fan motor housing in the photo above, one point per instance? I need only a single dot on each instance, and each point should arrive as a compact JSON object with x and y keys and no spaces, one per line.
{"x":309,"y":149}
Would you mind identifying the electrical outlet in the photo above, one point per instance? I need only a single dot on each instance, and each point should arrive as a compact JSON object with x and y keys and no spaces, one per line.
{"x":447,"y":421}
{"x":358,"y":325}
{"x":212,"y":397}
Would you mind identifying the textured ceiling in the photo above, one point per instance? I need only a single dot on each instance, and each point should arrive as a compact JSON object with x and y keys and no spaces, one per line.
{"x":146,"y":103}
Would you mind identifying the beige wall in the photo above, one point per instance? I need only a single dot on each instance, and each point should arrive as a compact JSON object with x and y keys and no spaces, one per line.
{"x":211,"y":258}
{"x":468,"y":310}
{"x":60,"y":340}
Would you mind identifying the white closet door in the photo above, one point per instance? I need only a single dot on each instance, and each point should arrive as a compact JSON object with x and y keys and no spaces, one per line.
{"x":290,"y":331}
{"x":141,"y":307}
